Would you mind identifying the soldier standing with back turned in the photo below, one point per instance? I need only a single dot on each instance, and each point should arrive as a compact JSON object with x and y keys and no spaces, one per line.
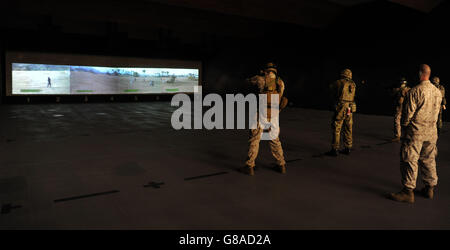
{"x":343,"y":95}
{"x":268,"y":84}
{"x":419,"y":137}
{"x":399,"y":95}
{"x":436,"y":81}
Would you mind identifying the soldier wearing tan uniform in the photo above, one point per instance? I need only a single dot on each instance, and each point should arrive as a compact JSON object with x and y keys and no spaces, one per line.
{"x":268,"y":84}
{"x":343,"y":95}
{"x":436,"y":83}
{"x":419,"y":136}
{"x":399,"y":95}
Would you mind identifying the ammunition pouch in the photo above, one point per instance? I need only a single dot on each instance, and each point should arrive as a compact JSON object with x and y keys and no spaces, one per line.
{"x":353,"y":107}
{"x":344,"y":104}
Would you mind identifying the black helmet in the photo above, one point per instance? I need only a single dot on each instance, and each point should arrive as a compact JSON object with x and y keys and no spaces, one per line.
{"x":271,"y":67}
{"x":436,"y":80}
{"x":403,"y":80}
{"x":346,"y":73}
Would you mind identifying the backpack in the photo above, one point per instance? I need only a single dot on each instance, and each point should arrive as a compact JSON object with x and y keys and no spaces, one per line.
{"x":348,"y":89}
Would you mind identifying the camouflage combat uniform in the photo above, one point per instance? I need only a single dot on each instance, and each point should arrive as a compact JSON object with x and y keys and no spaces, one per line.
{"x":400,"y":94}
{"x":419,"y":118}
{"x":343,"y":94}
{"x":441,"y":88}
{"x":266,"y":86}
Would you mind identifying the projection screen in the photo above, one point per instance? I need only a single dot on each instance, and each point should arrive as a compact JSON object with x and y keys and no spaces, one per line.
{"x":58,"y":74}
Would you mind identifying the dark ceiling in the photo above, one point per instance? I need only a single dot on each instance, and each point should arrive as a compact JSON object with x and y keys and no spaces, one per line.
{"x":306,"y":13}
{"x":309,"y":13}
{"x":191,"y":20}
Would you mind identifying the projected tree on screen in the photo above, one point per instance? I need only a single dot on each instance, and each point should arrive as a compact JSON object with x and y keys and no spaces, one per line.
{"x":64,"y":79}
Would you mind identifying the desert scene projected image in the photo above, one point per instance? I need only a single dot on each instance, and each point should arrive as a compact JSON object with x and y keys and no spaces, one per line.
{"x":105,"y":80}
{"x":40,"y":79}
{"x":45,"y":79}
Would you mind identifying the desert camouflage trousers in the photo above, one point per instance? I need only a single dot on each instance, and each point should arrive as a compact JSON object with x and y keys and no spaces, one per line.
{"x":439,"y":122}
{"x":271,"y":135}
{"x":397,"y":122}
{"x":342,"y":123}
{"x":415,"y":155}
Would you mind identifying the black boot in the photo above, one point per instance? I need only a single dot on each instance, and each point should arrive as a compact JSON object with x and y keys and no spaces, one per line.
{"x":346,"y":151}
{"x":282,"y":169}
{"x":247,"y":170}
{"x":333,"y":152}
{"x":428,"y":192}
{"x":396,"y":139}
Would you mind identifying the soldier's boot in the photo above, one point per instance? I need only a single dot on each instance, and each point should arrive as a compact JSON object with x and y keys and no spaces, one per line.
{"x":282,"y":169}
{"x":247,"y":170}
{"x":428,"y":192}
{"x":405,"y":195}
{"x":346,"y":151}
{"x":333,"y":152}
{"x":396,"y":139}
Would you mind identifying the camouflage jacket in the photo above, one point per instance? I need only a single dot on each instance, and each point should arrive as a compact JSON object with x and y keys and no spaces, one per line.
{"x":268,"y":85}
{"x":420,"y":111}
{"x":400,"y":94}
{"x":343,"y":90}
{"x":442,"y":89}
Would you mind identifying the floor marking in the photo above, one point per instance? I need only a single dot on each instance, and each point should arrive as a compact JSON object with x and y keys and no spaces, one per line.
{"x":204,"y":176}
{"x":86,"y":196}
{"x":154,"y":184}
{"x":6,"y":209}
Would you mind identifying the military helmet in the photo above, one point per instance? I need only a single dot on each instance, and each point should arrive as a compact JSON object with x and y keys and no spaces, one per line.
{"x":271,"y":67}
{"x":346,"y":73}
{"x":403,"y":80}
{"x":436,"y":80}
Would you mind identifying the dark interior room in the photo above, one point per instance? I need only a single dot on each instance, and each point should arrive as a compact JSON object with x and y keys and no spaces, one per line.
{"x":79,"y":151}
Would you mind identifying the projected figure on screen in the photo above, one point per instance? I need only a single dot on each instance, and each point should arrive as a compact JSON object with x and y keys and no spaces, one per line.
{"x":172,"y":79}
{"x":132,"y":80}
{"x":151,"y":83}
{"x":49,"y":84}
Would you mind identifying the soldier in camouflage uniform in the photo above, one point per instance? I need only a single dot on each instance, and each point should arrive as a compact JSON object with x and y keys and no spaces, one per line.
{"x":419,"y":136}
{"x":268,"y":84}
{"x":436,"y":83}
{"x":399,"y":95}
{"x":343,"y":95}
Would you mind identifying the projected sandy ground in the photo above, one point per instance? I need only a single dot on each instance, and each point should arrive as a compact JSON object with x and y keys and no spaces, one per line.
{"x":97,"y":83}
{"x":37,"y":82}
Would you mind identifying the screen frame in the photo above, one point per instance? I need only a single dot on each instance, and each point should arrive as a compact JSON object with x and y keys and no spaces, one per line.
{"x":92,"y":60}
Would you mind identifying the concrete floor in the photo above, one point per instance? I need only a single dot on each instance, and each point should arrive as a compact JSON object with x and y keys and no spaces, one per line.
{"x":57,"y":151}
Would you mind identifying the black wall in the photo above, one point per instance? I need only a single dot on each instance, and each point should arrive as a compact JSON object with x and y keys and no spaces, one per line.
{"x":379,"y":41}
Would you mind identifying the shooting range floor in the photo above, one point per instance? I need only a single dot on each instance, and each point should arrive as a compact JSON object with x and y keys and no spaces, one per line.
{"x":84,"y":166}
